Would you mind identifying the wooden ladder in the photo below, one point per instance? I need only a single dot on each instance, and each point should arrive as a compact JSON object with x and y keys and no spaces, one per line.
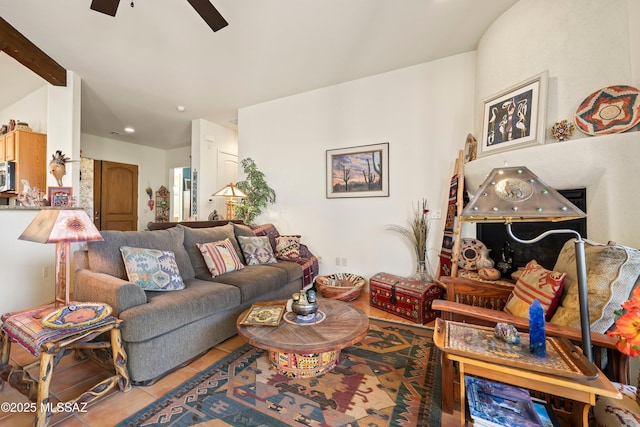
{"x":450,"y":251}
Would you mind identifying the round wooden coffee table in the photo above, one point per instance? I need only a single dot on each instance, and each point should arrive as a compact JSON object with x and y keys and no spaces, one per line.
{"x":309,"y":350}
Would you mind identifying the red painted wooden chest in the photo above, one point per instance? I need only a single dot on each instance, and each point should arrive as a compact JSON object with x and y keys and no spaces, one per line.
{"x":404,"y":297}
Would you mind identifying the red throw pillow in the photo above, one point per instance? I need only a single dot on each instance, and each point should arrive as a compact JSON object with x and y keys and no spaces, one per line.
{"x":536,"y":282}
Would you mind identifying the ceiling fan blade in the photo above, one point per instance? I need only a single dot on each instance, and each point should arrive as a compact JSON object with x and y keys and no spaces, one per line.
{"x":209,"y":13}
{"x":108,"y":7}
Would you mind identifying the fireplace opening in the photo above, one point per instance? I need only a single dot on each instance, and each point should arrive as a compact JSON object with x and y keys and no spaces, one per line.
{"x":546,"y":251}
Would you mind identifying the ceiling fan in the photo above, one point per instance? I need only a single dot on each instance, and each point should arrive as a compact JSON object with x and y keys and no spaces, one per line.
{"x":204,"y":8}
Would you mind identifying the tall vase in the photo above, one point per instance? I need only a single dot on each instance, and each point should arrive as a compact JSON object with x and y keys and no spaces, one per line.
{"x":423,"y":272}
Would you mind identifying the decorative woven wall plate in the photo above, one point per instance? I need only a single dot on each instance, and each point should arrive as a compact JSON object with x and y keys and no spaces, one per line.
{"x":610,"y":110}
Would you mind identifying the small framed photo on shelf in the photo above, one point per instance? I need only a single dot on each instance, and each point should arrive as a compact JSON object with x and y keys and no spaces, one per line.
{"x":60,"y":196}
{"x":515,"y":117}
{"x":268,"y":314}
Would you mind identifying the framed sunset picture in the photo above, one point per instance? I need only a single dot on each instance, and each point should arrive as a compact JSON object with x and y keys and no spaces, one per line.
{"x":358,"y":171}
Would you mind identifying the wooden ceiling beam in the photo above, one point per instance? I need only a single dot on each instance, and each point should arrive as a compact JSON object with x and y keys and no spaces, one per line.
{"x":17,"y":46}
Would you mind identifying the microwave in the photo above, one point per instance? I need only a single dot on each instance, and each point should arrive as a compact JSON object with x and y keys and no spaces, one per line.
{"x":7,"y":176}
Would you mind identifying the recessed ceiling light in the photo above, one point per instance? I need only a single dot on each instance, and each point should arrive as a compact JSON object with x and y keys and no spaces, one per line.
{"x":180,"y":108}
{"x":129,"y":130}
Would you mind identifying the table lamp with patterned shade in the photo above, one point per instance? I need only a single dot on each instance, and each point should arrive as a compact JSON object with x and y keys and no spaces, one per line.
{"x":230,"y":192}
{"x":61,"y":227}
{"x":515,"y":194}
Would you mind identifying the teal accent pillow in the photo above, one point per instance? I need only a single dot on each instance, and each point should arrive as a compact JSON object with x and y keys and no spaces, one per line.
{"x":152,"y":269}
{"x":257,"y":250}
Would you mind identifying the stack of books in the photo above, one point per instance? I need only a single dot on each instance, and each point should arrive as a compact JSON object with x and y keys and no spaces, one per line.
{"x":493,"y":404}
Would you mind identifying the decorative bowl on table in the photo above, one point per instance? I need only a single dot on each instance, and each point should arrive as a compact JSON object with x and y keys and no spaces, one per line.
{"x":340,"y":286}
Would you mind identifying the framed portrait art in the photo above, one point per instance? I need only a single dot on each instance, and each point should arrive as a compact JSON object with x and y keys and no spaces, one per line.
{"x":60,"y":196}
{"x":515,"y":118}
{"x":358,"y":171}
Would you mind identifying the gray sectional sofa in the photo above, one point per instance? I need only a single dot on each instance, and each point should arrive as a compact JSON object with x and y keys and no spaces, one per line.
{"x":163,"y":330}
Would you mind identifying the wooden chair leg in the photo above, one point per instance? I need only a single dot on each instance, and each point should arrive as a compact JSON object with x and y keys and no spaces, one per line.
{"x":448,"y":373}
{"x":44,"y":381}
{"x":120,"y":360}
{"x":4,"y":358}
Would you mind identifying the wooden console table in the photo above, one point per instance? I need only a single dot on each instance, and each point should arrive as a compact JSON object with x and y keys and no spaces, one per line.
{"x":507,"y":367}
{"x":49,"y":347}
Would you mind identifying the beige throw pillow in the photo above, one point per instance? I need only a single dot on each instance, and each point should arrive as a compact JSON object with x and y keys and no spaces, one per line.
{"x":612,"y":273}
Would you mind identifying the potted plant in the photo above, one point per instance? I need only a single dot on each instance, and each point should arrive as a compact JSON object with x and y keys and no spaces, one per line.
{"x":260,"y":195}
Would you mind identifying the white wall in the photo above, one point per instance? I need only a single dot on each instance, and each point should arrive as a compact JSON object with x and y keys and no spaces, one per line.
{"x":22,"y":263}
{"x":31,"y":109}
{"x":585,"y":45}
{"x":152,"y":169}
{"x":63,"y":128}
{"x":423,"y":112}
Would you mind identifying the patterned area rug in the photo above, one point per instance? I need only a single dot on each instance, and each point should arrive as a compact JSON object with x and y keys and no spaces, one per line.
{"x":390,"y":378}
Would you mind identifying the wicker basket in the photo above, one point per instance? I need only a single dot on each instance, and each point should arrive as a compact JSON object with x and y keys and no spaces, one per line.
{"x":340,"y":286}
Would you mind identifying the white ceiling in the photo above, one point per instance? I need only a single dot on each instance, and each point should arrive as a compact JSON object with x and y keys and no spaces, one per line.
{"x":138,"y":66}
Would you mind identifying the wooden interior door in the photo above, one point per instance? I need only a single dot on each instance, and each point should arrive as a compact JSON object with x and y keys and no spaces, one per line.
{"x":115,"y":196}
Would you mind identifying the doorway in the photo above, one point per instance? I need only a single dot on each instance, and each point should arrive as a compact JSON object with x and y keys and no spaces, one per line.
{"x":181,"y":194}
{"x":110,"y":191}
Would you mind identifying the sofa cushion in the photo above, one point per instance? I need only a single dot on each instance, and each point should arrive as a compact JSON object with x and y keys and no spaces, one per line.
{"x":192,"y":236}
{"x":254,"y":281}
{"x":288,"y":247}
{"x":152,"y":269}
{"x":104,"y":256}
{"x":618,"y":412}
{"x":293,"y":269}
{"x":167,"y":311}
{"x":220,"y":257}
{"x":257,"y":250}
{"x":612,"y":273}
{"x":536,"y":282}
{"x":242,"y":230}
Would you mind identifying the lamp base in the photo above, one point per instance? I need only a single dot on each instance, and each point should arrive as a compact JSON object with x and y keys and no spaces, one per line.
{"x":231,"y":209}
{"x":63,"y":267}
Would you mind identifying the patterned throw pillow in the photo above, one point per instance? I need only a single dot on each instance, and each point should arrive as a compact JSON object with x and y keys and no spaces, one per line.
{"x":536,"y":282}
{"x":220,"y":257}
{"x":288,"y":247}
{"x":257,"y":250}
{"x":612,"y":273}
{"x":152,"y":269}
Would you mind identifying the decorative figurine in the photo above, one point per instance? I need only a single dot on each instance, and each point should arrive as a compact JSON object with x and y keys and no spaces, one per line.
{"x":58,"y":167}
{"x":562,"y":130}
{"x":305,"y":306}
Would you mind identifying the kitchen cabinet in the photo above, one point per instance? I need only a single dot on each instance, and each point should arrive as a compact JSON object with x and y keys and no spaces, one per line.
{"x":10,"y":147}
{"x":29,"y":151}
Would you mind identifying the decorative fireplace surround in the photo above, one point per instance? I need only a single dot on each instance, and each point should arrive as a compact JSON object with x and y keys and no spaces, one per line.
{"x":605,"y":165}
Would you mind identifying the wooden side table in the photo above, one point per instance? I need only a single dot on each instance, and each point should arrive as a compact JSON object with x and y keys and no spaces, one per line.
{"x":505,"y":366}
{"x":49,"y":346}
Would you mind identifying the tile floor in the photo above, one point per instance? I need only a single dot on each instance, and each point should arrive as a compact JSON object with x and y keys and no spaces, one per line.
{"x":72,"y":376}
